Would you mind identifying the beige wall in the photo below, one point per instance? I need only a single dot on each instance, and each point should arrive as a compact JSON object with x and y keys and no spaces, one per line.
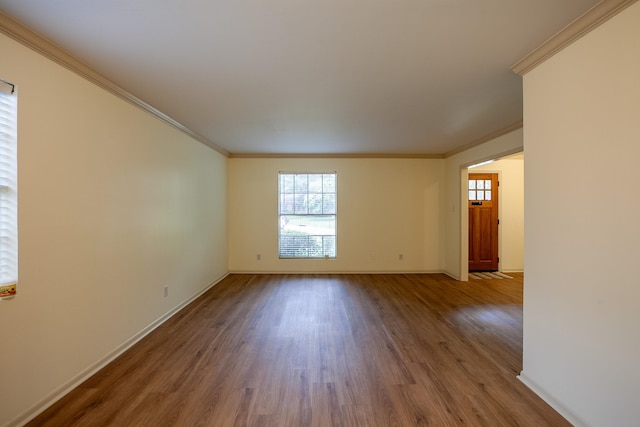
{"x":386,"y":207}
{"x":456,"y":246}
{"x":511,"y":211}
{"x":582,"y":293}
{"x":113,"y":206}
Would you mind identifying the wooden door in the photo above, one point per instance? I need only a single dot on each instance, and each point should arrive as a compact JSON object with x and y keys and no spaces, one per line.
{"x":483,"y":221}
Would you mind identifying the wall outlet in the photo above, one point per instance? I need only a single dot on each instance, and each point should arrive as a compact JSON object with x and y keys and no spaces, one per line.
{"x":258,"y":257}
{"x":400,"y":257}
{"x":166,"y":291}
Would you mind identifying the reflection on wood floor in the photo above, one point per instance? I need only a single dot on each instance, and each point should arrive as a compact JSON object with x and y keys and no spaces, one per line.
{"x":323,"y":350}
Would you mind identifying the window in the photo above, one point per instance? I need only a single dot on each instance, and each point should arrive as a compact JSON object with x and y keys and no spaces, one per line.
{"x":307,"y":215}
{"x":480,"y":189}
{"x":8,"y":191}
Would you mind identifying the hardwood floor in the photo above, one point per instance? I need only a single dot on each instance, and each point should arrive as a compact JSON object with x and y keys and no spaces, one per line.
{"x":324,"y":350}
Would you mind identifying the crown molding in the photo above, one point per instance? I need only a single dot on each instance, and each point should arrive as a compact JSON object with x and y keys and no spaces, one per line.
{"x":333,"y":156}
{"x":40,"y":44}
{"x":591,"y":19}
{"x":493,"y":135}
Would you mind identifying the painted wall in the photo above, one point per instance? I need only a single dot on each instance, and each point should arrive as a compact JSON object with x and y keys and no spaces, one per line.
{"x":511,"y":211}
{"x":386,"y":207}
{"x":113,"y":205}
{"x":456,"y":246}
{"x":581,"y":317}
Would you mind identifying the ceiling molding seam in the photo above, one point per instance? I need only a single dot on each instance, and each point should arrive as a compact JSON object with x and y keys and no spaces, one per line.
{"x":40,"y":44}
{"x":585,"y":23}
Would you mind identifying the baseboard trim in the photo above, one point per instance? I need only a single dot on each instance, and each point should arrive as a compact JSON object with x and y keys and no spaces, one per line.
{"x":63,"y":390}
{"x":453,"y":276}
{"x":555,"y":404}
{"x":340,"y":272}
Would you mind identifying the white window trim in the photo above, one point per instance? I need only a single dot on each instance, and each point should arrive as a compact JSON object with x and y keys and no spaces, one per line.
{"x":8,"y":191}
{"x":281,"y":215}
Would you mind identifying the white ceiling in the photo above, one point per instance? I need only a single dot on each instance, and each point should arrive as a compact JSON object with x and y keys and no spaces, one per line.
{"x":313,"y":76}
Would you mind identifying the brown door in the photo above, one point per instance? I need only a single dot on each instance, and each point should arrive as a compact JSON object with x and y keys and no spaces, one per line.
{"x":483,"y":221}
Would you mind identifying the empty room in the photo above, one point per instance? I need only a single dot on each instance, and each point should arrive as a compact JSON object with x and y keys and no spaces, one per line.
{"x":381,"y":213}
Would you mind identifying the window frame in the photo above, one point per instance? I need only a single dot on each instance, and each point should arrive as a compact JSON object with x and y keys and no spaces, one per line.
{"x":326,"y":243}
{"x":8,"y":190}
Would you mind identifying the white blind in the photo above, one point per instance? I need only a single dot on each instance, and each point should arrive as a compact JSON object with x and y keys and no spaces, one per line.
{"x":8,"y":185}
{"x":307,"y":215}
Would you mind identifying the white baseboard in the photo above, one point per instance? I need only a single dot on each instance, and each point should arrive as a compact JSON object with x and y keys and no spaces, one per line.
{"x":453,"y":276}
{"x":64,"y":389}
{"x":341,"y":272}
{"x":555,"y":404}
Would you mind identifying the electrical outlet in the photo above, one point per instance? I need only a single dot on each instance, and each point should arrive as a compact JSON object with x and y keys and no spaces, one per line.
{"x":400,"y":257}
{"x":166,"y":291}
{"x":258,"y":257}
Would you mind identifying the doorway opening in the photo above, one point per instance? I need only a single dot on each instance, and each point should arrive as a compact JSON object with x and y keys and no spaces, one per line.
{"x":493,"y":201}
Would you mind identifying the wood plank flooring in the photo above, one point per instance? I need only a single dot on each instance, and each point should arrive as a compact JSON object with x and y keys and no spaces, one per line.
{"x":323,"y":350}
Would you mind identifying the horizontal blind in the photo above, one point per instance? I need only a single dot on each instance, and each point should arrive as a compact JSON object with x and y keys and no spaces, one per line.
{"x":8,"y":185}
{"x":307,"y":214}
